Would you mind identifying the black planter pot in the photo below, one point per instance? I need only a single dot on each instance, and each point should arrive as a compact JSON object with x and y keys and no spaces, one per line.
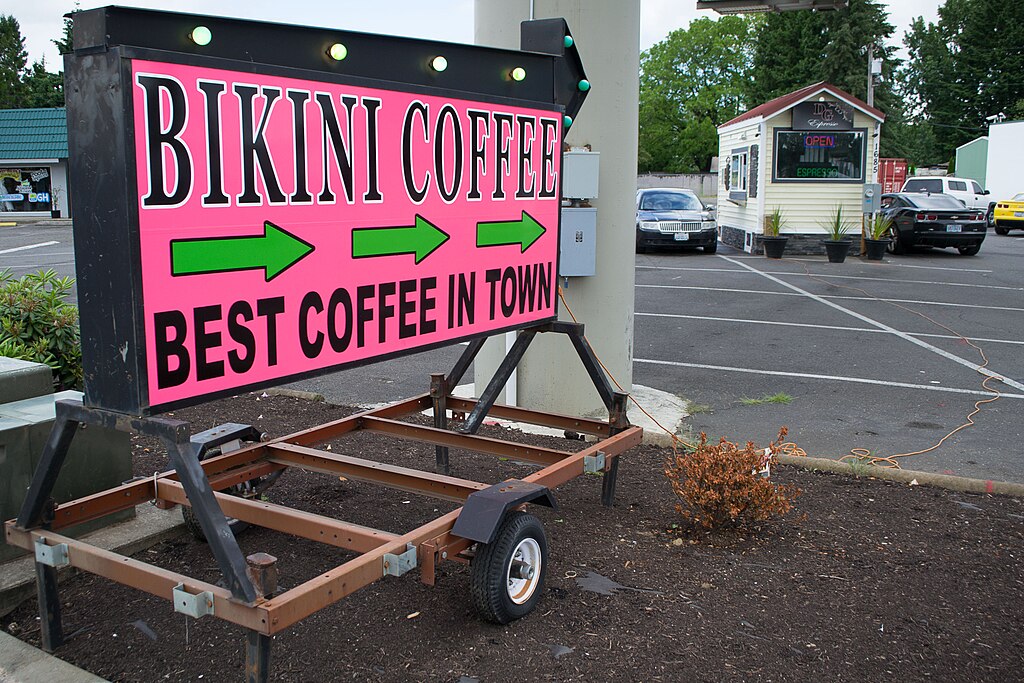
{"x":774,"y":246}
{"x":55,"y":213}
{"x":837,"y":250}
{"x":875,"y":249}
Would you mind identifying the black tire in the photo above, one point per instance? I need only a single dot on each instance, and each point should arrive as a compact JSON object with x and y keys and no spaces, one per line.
{"x":1002,"y":231}
{"x":969,"y":251}
{"x":895,"y":245}
{"x":711,"y":248}
{"x":990,"y":216}
{"x":491,"y":583}
{"x":641,"y":248}
{"x":247,"y":489}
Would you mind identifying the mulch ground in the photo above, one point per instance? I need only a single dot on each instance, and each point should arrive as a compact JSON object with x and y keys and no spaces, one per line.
{"x":866,"y":581}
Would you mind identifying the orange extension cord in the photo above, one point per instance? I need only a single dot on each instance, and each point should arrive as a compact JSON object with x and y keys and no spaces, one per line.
{"x":861,"y":454}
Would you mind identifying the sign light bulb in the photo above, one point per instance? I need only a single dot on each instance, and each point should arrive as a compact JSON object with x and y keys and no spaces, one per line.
{"x":337,"y":52}
{"x":518,"y":73}
{"x":201,"y":35}
{"x":567,"y":120}
{"x":568,"y":41}
{"x":439,"y":63}
{"x":583,"y":85}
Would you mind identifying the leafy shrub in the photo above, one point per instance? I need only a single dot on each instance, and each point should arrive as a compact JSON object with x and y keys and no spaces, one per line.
{"x":37,"y":324}
{"x":719,"y":485}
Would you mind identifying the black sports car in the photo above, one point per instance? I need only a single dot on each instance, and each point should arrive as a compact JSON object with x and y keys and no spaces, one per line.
{"x":674,"y":217}
{"x":933,"y":220}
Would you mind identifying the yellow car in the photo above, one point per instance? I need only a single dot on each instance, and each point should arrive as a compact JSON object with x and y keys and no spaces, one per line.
{"x":1009,"y":214}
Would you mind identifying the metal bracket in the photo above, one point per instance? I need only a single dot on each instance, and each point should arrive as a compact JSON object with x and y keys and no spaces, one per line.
{"x":396,"y":565}
{"x":55,"y":556}
{"x":592,"y":464}
{"x":193,"y":604}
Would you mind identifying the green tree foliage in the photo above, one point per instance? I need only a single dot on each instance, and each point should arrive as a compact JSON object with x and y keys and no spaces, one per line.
{"x":42,"y":88}
{"x":690,"y":83}
{"x":965,"y":67}
{"x":13,"y":58}
{"x":796,"y":49}
{"x":65,"y":44}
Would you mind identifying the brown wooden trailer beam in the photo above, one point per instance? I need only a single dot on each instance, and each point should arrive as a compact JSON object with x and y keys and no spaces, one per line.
{"x":480,"y":444}
{"x":301,"y":601}
{"x":142,"y":576}
{"x":552,"y":420}
{"x":289,"y":520}
{"x":392,"y":476}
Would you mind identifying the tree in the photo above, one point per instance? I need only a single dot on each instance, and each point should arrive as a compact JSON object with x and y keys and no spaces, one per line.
{"x":966,"y":67}
{"x":690,"y":83}
{"x":42,"y":88}
{"x":796,"y":49}
{"x":65,"y":43}
{"x":13,"y":58}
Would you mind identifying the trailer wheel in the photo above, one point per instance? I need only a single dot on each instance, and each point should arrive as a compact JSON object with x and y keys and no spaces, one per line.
{"x":253,"y":488}
{"x":508,"y":573}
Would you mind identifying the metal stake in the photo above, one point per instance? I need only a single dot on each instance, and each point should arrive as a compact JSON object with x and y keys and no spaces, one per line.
{"x":51,"y":630}
{"x":257,"y":657}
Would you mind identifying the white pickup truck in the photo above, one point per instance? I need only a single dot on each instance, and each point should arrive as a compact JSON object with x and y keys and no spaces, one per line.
{"x":966,"y":190}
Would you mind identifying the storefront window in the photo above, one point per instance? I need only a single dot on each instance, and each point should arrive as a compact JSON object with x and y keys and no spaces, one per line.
{"x":738,"y":166}
{"x":805,"y":156}
{"x":25,"y":189}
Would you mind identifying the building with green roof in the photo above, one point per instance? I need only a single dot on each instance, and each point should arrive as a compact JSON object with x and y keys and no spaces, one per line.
{"x":33,"y":162}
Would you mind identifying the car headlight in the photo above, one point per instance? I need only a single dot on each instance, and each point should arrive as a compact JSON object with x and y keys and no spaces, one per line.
{"x":648,"y":225}
{"x":708,"y":225}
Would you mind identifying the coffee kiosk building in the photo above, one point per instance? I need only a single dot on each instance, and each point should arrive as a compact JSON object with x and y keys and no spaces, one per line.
{"x":805,"y":153}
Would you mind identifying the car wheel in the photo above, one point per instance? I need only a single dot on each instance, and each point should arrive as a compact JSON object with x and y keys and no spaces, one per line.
{"x":895,"y":245}
{"x":641,"y":248}
{"x":1002,"y":231}
{"x":990,"y":217}
{"x":969,"y":251}
{"x":711,"y":248}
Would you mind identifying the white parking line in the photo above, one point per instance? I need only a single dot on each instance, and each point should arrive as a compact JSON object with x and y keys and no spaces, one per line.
{"x":881,"y":265}
{"x":843,"y":277}
{"x":821,"y":327}
{"x":832,"y":296}
{"x":833,"y":378}
{"x":903,"y":335}
{"x":27,"y":246}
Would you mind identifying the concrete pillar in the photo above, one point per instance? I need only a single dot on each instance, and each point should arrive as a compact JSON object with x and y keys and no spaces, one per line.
{"x":607,"y":34}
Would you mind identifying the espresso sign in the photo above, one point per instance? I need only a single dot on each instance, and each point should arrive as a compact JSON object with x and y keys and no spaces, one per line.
{"x":822,"y":116}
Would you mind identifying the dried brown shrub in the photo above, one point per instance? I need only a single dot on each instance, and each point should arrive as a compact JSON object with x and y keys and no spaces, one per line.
{"x":719,"y":485}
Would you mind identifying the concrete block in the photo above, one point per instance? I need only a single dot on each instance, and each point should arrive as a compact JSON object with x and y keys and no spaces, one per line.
{"x":21,"y":379}
{"x":99,"y":459}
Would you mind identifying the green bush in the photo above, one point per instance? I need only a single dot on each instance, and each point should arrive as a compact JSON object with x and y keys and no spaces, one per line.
{"x":37,"y":324}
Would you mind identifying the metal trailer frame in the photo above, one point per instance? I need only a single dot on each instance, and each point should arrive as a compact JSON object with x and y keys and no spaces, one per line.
{"x":249,"y":598}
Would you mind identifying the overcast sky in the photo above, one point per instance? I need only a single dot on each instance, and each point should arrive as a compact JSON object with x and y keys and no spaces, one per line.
{"x":450,"y":20}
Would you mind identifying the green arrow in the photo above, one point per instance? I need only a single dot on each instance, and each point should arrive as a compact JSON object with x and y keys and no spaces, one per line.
{"x":523,"y":232}
{"x":421,"y":239}
{"x":274,"y":251}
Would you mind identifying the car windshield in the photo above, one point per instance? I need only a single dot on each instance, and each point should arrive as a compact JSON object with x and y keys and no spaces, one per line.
{"x":936,"y":201}
{"x":669,"y":201}
{"x":1018,"y":197}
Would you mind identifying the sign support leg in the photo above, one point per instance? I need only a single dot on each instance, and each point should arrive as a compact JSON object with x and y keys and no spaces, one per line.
{"x":51,"y":630}
{"x":43,"y":479}
{"x":493,"y":388}
{"x":439,"y":396}
{"x":257,"y":657}
{"x":618,"y":422}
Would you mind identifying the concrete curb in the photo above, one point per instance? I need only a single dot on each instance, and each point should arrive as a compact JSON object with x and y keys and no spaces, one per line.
{"x":946,"y":481}
{"x":22,"y":663}
{"x":296,"y":393}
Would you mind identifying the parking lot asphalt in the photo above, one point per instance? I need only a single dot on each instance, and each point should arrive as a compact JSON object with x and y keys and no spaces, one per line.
{"x":870,"y":354}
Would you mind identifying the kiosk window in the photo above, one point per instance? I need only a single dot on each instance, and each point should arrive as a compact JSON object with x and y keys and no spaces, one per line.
{"x":819,"y":156}
{"x":739,"y":168}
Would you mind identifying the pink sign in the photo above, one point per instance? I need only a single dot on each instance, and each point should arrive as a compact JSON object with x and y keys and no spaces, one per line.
{"x":287,"y":226}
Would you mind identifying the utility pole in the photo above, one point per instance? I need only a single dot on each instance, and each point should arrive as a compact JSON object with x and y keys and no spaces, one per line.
{"x":871,"y":75}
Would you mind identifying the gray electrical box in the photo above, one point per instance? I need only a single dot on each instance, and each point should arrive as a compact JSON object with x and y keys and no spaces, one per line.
{"x":872,"y":198}
{"x":580,"y":174}
{"x":579,"y":243}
